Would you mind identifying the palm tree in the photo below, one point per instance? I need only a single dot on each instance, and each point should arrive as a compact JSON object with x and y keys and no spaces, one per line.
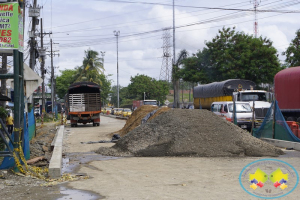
{"x":91,"y":68}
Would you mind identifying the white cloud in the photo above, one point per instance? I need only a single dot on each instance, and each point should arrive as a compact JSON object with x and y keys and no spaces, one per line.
{"x":142,"y":54}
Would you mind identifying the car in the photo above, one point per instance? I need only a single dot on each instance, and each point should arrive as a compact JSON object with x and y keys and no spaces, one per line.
{"x":108,"y":110}
{"x":126,"y":112}
{"x":244,"y":112}
{"x":118,"y":111}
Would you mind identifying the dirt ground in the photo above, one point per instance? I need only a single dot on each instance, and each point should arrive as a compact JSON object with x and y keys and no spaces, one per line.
{"x":156,"y":177}
{"x":138,"y":177}
{"x":14,"y":186}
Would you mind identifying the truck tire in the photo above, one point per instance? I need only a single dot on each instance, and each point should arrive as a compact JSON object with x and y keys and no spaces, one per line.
{"x":94,"y":124}
{"x":98,"y":124}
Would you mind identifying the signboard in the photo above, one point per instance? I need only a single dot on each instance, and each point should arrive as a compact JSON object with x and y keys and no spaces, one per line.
{"x":11,"y":27}
{"x":34,"y":12}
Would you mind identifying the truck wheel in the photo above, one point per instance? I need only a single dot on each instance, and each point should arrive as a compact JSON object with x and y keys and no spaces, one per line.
{"x":98,"y":124}
{"x":94,"y":124}
{"x":75,"y":125}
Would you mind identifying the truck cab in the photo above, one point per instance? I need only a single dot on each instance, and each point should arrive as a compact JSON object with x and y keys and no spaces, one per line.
{"x":261,"y":102}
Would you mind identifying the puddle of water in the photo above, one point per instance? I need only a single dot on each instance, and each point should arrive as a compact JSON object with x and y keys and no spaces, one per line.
{"x":72,"y":160}
{"x":76,"y":194}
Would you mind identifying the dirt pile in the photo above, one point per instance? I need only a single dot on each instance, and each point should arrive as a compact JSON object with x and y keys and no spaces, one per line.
{"x":135,"y":119}
{"x":184,"y":132}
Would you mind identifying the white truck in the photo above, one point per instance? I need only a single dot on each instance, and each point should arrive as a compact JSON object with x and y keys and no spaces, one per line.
{"x":261,"y":101}
{"x":237,"y":89}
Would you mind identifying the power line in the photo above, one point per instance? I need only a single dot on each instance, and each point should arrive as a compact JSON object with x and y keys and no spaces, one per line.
{"x":203,"y":7}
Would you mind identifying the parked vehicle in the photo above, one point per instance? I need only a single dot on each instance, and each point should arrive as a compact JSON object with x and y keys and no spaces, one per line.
{"x":108,"y":110}
{"x":83,"y":103}
{"x":287,"y":93}
{"x":243,"y":112}
{"x":139,"y":103}
{"x":240,"y":90}
{"x":118,"y":111}
{"x":126,"y":112}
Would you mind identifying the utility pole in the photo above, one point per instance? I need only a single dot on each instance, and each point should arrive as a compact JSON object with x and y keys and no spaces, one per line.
{"x":102,"y":54}
{"x":42,"y":55}
{"x":52,"y":76}
{"x":174,"y":68}
{"x":117,"y":33}
{"x":34,"y":12}
{"x":43,"y":69}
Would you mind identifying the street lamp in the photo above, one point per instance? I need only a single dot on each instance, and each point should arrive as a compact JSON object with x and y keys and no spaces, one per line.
{"x":102,"y":54}
{"x":117,"y":33}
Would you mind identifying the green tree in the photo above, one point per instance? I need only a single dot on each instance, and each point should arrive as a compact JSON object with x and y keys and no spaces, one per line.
{"x":91,"y":68}
{"x":63,"y":81}
{"x":195,"y":68}
{"x":68,"y":77}
{"x":236,"y":55}
{"x":292,"y":53}
{"x":152,"y":88}
{"x":105,"y":87}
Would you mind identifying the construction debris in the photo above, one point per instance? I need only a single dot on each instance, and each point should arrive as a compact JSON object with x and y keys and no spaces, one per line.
{"x":184,"y":132}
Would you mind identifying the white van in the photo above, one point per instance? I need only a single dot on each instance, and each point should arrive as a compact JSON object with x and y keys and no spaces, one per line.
{"x":243,"y":112}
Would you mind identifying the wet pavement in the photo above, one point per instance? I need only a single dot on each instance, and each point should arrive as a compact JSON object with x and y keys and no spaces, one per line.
{"x":71,"y":164}
{"x":72,"y":161}
{"x":77,"y":194}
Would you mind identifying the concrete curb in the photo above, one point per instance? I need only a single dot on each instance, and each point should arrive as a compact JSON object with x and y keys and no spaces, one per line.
{"x":283,"y":143}
{"x":56,"y":159}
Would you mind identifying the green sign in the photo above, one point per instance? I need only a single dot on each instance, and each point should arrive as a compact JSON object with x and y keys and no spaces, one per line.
{"x":11,"y":27}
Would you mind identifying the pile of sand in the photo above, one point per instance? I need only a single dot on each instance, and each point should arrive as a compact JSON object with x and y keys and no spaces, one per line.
{"x":136,"y":118}
{"x":183,"y":132}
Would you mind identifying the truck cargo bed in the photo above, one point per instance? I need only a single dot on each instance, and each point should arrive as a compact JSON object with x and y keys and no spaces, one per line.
{"x":84,"y":102}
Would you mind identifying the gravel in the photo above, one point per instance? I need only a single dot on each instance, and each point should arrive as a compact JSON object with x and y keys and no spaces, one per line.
{"x":192,"y":133}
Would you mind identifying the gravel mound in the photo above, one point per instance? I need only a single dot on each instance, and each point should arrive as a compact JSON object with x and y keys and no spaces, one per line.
{"x":184,"y":132}
{"x":135,"y":119}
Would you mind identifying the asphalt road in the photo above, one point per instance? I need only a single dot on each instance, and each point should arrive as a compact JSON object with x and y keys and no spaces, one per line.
{"x":152,"y":178}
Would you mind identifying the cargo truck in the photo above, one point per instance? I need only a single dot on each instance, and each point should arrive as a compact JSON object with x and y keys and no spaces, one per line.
{"x":287,"y":93}
{"x":239,"y":89}
{"x":83,"y":104}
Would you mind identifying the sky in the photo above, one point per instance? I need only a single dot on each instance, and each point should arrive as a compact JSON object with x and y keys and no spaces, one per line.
{"x":81,"y":25}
